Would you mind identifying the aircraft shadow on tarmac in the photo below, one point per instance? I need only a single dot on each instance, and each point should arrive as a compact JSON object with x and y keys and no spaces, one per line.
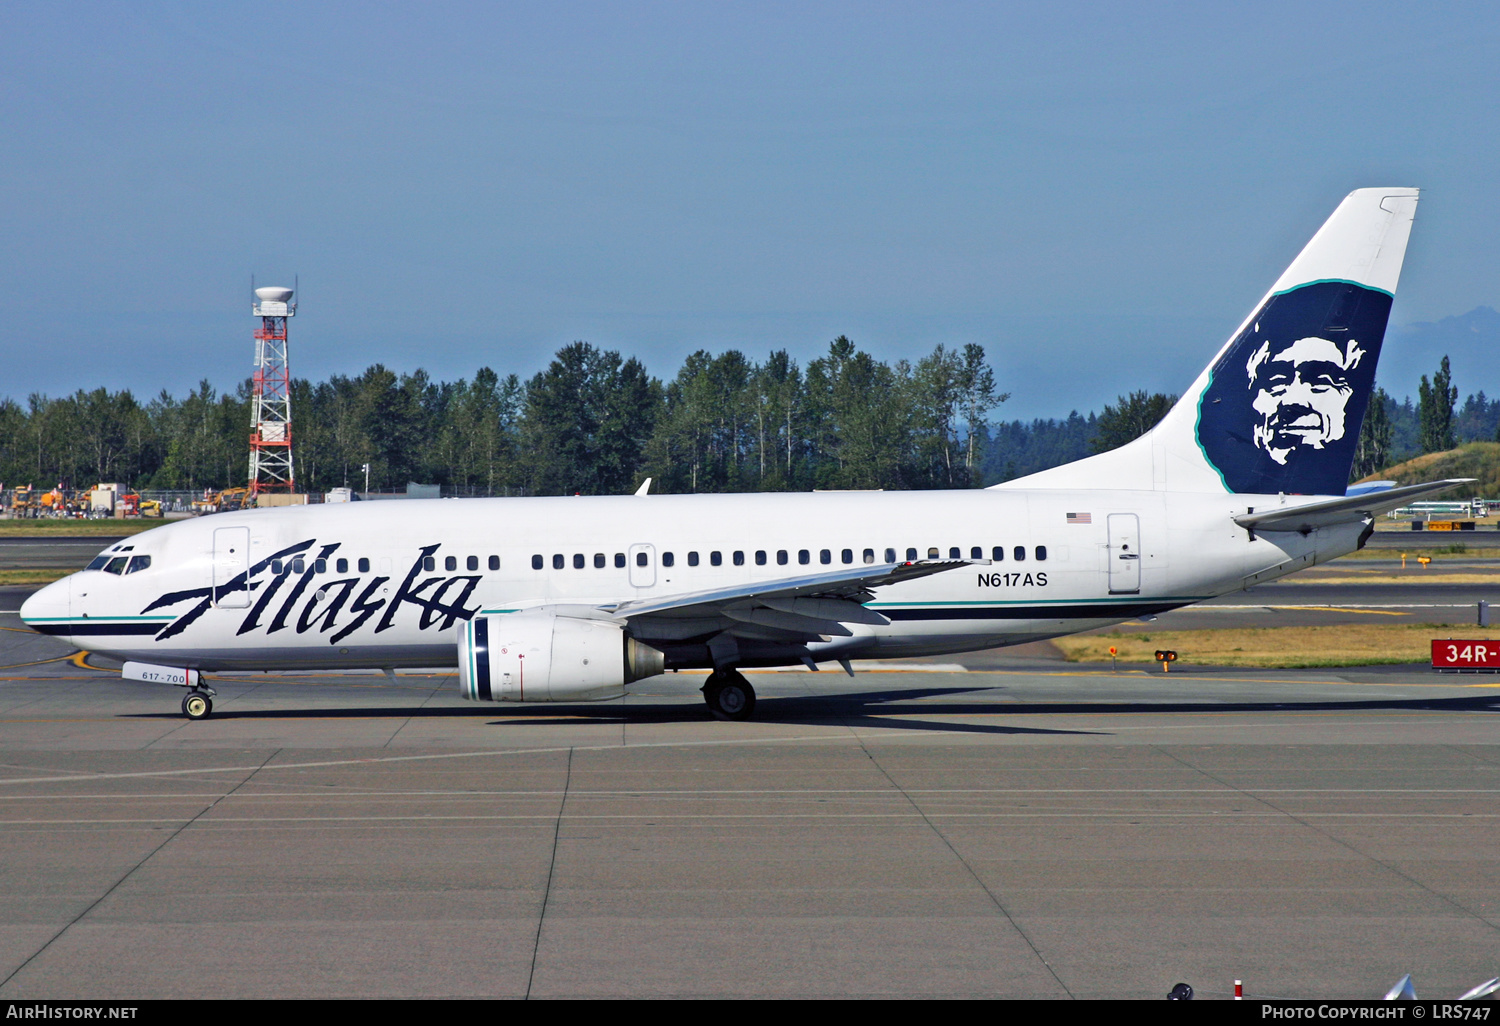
{"x":886,"y":708}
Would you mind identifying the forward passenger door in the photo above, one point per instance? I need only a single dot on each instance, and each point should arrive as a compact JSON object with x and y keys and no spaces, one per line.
{"x":231,"y":560}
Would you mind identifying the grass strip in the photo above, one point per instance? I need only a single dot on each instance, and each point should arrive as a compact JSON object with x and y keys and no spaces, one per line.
{"x":42,"y":576}
{"x":61,"y":528}
{"x":1275,"y":647}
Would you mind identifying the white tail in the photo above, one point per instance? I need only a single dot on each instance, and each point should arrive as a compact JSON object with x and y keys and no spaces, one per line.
{"x":1279,"y":407}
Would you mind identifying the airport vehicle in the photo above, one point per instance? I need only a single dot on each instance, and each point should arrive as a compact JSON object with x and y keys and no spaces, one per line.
{"x":573,"y":598}
{"x":1475,"y":507}
{"x":227,"y":501}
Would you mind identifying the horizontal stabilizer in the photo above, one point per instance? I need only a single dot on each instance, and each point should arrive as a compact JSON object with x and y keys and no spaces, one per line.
{"x":1350,"y":509}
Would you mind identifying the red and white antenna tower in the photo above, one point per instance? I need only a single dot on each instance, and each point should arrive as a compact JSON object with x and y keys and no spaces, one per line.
{"x":271,"y":395}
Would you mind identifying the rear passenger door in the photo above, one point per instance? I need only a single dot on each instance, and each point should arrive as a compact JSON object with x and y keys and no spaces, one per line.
{"x":1124,"y":554}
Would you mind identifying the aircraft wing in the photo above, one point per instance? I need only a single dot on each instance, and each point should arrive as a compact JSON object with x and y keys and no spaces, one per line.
{"x":1350,"y":509}
{"x":801,"y":608}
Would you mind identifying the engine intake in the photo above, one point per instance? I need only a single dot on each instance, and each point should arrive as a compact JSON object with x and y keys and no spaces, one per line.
{"x":541,"y":657}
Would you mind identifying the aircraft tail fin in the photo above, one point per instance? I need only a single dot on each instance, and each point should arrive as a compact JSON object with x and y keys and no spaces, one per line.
{"x":1280,"y":406}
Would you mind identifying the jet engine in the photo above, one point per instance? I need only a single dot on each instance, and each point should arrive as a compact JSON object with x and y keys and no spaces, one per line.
{"x":542,"y":657}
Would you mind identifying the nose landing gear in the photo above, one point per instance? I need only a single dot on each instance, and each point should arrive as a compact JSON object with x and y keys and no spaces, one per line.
{"x":729,"y":695}
{"x":198,"y":704}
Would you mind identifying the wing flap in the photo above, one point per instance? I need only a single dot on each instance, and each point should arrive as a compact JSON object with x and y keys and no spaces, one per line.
{"x":852,"y":586}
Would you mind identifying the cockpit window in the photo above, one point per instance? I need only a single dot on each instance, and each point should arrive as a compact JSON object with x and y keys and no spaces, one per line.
{"x":116,"y":565}
{"x":138,"y":563}
{"x":97,"y":563}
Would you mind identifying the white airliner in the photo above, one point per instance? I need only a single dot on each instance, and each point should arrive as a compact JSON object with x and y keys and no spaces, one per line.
{"x":564,"y":599}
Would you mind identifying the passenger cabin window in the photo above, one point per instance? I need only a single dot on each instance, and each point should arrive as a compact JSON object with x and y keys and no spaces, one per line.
{"x":138,"y":563}
{"x":890,"y":555}
{"x":558,"y":561}
{"x":472,"y":563}
{"x":716,"y":558}
{"x":998,"y":553}
{"x":342,"y":566}
{"x":955,"y":553}
{"x":667,"y":559}
{"x":494,"y":562}
{"x":536,"y":562}
{"x":1019,"y":552}
{"x":276,"y":566}
{"x":868,"y":556}
{"x":803,"y":557}
{"x":619,"y":561}
{"x":578,"y":561}
{"x":299,"y":566}
{"x":933,"y":553}
{"x":320,"y":566}
{"x":364,"y":564}
{"x":739,"y":557}
{"x":640,"y":559}
{"x":976,"y":553}
{"x":781,"y":557}
{"x":599,"y":561}
{"x":911,"y":555}
{"x":692,"y":559}
{"x":847,"y":555}
{"x":825,"y":556}
{"x":450,"y":563}
{"x":760,"y":557}
{"x":1041,"y":552}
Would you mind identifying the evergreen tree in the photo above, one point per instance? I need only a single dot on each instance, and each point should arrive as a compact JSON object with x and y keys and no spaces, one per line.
{"x":1374,"y":448}
{"x":1435,"y":410}
{"x":1130,"y":418}
{"x":588,"y":418}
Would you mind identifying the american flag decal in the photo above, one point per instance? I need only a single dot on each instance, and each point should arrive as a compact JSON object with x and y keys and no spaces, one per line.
{"x":1080,"y":518}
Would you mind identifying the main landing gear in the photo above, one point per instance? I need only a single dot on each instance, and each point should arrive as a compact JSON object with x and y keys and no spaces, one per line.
{"x":198,"y":704}
{"x":729,"y":695}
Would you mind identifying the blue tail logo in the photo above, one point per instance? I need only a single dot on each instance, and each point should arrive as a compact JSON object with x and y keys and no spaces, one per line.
{"x":1283,"y":408}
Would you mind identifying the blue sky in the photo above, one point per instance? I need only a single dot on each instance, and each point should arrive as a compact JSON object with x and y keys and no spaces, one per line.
{"x":1096,"y":193}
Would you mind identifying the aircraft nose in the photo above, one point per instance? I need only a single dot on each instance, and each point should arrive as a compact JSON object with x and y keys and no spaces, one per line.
{"x":49,"y":607}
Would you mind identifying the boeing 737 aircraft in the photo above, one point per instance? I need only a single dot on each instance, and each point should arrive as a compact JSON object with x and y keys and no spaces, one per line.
{"x":564,"y":599}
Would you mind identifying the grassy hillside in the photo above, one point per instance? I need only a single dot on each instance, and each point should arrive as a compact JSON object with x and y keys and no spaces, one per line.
{"x":1476,"y":459}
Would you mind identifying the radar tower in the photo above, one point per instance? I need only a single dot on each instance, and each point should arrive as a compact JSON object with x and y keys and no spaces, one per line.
{"x":271,"y":395}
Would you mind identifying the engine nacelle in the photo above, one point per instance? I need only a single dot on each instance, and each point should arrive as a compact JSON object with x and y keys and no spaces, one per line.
{"x":540,"y":657}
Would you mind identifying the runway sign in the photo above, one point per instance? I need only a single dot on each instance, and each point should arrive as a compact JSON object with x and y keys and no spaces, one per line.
{"x":1453,"y":654}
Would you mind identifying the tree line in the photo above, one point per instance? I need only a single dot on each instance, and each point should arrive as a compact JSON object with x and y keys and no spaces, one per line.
{"x":595,"y":422}
{"x":592,"y":422}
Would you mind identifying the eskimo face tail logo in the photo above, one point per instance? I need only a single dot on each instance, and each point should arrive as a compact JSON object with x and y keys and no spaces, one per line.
{"x":1283,"y":409}
{"x":1302,"y":394}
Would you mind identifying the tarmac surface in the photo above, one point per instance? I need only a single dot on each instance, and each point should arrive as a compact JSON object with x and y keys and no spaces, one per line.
{"x":1001,"y":825}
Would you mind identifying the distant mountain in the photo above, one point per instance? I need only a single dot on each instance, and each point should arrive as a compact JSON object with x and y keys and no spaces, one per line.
{"x":1471,"y":342}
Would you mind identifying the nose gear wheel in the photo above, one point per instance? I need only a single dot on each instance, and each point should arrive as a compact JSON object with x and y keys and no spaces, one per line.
{"x":197,"y":706}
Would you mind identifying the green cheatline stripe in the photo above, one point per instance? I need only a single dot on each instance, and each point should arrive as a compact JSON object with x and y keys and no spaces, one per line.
{"x":103,"y":619}
{"x":1060,"y":603}
{"x":1336,"y":281}
{"x":487,"y":612}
